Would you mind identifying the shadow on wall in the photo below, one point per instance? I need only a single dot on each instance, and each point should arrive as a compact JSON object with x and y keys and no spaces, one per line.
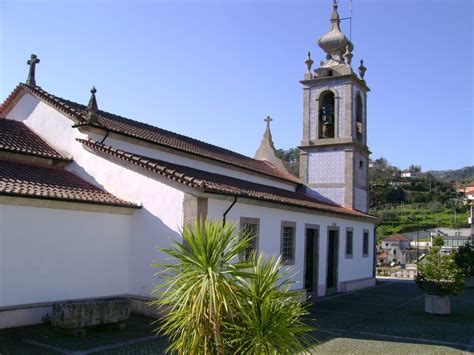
{"x":147,"y":233}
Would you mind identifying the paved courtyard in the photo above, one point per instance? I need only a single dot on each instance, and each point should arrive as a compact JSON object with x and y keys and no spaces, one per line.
{"x":386,"y":319}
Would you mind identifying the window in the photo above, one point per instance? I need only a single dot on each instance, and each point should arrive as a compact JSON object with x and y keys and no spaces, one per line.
{"x":251,"y":226}
{"x":326,"y":115}
{"x":349,"y":238}
{"x":287,"y":245}
{"x":365,"y":245}
{"x":361,"y":164}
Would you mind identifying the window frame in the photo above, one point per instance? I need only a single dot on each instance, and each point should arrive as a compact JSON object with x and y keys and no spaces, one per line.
{"x":365,"y":233}
{"x":255,"y":221}
{"x":351,"y":231}
{"x":286,"y":224}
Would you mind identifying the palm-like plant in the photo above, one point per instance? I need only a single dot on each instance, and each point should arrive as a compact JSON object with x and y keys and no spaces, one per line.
{"x":269,"y":314}
{"x":200,"y":287}
{"x":216,"y":304}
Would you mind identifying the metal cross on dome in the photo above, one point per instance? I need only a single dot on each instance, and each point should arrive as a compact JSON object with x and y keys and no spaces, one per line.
{"x":31,"y":75}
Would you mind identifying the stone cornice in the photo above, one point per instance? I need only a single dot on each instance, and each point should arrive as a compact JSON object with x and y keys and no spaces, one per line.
{"x":352,"y":77}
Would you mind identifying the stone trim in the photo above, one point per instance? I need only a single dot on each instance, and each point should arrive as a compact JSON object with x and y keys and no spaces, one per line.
{"x":291,"y":224}
{"x":350,"y":78}
{"x":351,"y":255}
{"x":364,"y":231}
{"x":194,"y":208}
{"x":316,"y":268}
{"x":251,"y":220}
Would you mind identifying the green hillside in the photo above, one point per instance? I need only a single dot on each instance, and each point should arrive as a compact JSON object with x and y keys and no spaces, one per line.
{"x":411,"y":217}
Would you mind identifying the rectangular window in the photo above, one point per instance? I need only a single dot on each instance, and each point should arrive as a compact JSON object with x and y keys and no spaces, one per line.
{"x":349,"y":243}
{"x":287,"y":245}
{"x":251,"y":226}
{"x":365,"y":246}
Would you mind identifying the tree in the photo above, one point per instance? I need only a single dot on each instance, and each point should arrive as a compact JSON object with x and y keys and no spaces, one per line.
{"x":291,"y":159}
{"x":415,"y":168}
{"x":439,"y":274}
{"x":464,"y":259}
{"x":210,"y":297}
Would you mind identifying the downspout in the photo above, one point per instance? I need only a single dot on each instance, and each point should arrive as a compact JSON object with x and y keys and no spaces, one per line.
{"x":227,"y":210}
{"x":105,"y":137}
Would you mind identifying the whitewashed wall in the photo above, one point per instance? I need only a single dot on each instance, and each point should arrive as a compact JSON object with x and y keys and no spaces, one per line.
{"x":51,"y":255}
{"x":358,"y":267}
{"x":154,"y":225}
{"x":196,"y":163}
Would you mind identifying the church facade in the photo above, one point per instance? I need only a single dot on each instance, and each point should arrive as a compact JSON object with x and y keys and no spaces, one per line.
{"x":87,"y":196}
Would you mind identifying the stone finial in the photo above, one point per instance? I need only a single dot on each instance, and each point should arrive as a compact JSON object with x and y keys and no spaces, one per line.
{"x":31,"y":74}
{"x":92,"y":107}
{"x":309,"y":62}
{"x":362,"y":69}
{"x":348,"y":55}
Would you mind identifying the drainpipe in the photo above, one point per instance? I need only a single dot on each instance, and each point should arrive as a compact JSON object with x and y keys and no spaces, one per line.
{"x":105,"y":137}
{"x":227,"y":210}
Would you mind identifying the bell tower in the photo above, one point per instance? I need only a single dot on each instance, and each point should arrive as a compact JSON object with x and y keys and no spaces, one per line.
{"x":333,"y":153}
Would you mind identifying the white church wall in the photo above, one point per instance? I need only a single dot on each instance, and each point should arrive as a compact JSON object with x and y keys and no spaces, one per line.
{"x":153,"y":225}
{"x":195,"y":163}
{"x":355,"y":268}
{"x":52,"y":255}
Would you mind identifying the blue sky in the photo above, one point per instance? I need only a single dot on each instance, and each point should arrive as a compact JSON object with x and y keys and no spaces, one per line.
{"x":214,"y":69}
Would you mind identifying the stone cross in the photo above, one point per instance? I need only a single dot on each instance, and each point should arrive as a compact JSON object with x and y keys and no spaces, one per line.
{"x":268,"y":120}
{"x":31,"y":75}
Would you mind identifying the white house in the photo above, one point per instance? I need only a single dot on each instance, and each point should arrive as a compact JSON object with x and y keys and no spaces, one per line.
{"x":86,"y":196}
{"x":409,"y":174}
{"x":395,"y":247}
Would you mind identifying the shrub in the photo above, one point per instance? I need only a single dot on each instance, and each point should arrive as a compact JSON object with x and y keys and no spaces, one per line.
{"x":439,"y":274}
{"x":216,"y":304}
{"x":464,"y":259}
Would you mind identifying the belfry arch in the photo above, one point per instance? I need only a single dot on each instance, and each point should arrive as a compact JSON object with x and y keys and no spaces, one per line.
{"x":327,"y":115}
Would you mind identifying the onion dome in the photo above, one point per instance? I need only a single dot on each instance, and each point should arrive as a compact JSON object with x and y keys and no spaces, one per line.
{"x":334,"y":42}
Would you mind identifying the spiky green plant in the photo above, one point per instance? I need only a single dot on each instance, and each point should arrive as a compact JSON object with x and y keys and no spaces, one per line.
{"x":200,"y":285}
{"x":215,"y":304}
{"x":269,"y":317}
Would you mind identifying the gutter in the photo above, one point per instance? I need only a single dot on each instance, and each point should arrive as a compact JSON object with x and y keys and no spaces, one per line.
{"x":228,"y":210}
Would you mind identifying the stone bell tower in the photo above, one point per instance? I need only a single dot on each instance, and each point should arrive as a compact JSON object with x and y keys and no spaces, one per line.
{"x":333,"y":153}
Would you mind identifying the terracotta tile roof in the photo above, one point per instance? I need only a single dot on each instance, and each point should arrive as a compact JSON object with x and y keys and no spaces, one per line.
{"x":149,"y":133}
{"x":18,"y":138}
{"x":220,"y":184}
{"x":25,"y":179}
{"x":396,"y":238}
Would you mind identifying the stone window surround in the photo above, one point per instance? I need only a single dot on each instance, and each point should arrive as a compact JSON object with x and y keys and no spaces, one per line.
{"x":349,"y":256}
{"x":292,"y":225}
{"x":255,"y":221}
{"x":365,"y":232}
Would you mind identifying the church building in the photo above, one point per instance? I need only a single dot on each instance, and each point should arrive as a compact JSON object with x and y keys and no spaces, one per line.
{"x":87,"y":196}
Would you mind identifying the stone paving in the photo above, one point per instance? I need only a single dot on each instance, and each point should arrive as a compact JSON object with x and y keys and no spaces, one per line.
{"x":386,"y":319}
